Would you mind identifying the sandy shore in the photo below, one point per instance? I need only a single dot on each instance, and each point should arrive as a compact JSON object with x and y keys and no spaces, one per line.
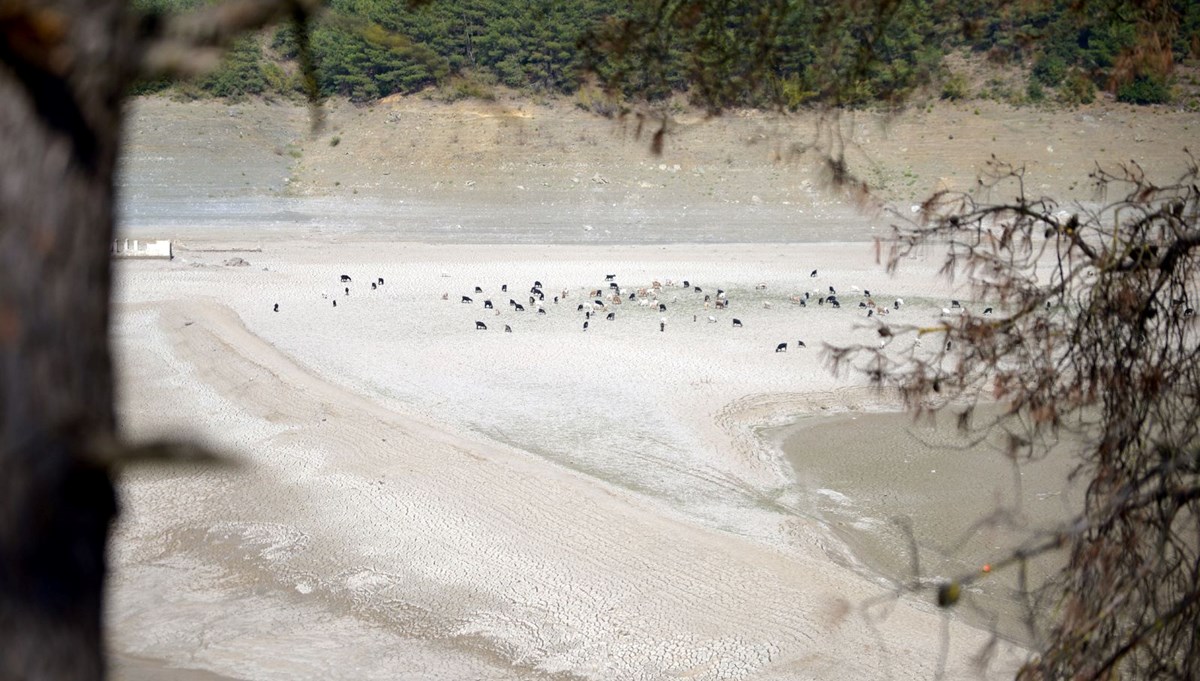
{"x":420,"y":499}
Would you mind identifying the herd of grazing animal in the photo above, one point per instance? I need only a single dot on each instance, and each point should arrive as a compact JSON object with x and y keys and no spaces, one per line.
{"x":376,"y":284}
{"x":606,"y":299}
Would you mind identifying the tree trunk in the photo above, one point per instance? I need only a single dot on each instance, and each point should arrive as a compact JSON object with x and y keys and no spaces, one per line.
{"x":63,"y":70}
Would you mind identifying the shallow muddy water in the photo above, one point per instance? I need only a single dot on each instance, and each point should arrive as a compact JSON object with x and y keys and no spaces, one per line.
{"x":466,"y":219}
{"x":915,"y":500}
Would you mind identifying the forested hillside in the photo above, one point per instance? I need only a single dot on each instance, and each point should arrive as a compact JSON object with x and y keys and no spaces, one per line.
{"x":367,"y":49}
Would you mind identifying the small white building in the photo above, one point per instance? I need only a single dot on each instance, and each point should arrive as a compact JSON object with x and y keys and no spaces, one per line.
{"x":134,"y":248}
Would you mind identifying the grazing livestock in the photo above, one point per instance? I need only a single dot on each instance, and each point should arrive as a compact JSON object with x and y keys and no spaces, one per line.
{"x":277,"y":307}
{"x":862,"y":304}
{"x":381,"y":281}
{"x":836,"y":304}
{"x":867,"y":293}
{"x":614,"y":286}
{"x":611,"y":316}
{"x":504,"y":288}
{"x":335,"y":303}
{"x":662,"y":325}
{"x":685,"y":284}
{"x":955,"y":304}
{"x":467,"y":300}
{"x":512,"y":302}
{"x":896,"y":304}
{"x":1189,"y":312}
{"x":347,"y":290}
{"x":372,"y":286}
{"x":478,"y":290}
{"x":782,"y":347}
{"x":712,"y":319}
{"x":697,"y":289}
{"x":480,"y":326}
{"x":987,"y":310}
{"x":579,"y":308}
{"x":541,"y":310}
{"x":537,"y":284}
{"x":948,"y":345}
{"x":556,"y":300}
{"x":800,"y":344}
{"x":813,"y":273}
{"x":346,"y":278}
{"x":532,"y":300}
{"x":585,"y":325}
{"x":518,"y":307}
{"x":806,"y":295}
{"x":722,"y":304}
{"x":760,"y":287}
{"x":662,"y":307}
{"x":587,"y":315}
{"x":487,"y":305}
{"x":871,"y":312}
{"x":594,"y":293}
{"x":609,"y":277}
{"x":598,"y":303}
{"x":832,"y":291}
{"x":632,"y":295}
{"x":507,"y":328}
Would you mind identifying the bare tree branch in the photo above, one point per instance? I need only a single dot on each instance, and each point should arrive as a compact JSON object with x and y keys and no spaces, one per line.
{"x":189,"y":44}
{"x":1095,"y":332}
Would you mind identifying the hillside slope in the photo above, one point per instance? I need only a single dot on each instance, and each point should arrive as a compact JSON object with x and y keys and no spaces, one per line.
{"x":512,"y":157}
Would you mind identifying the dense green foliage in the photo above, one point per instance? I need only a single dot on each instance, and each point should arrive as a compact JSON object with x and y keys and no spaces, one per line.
{"x":241,"y":72}
{"x":751,"y":52}
{"x":1144,"y":89}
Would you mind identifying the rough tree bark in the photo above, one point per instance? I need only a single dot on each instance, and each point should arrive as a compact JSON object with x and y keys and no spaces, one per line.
{"x":64,"y":68}
{"x":60,"y":117}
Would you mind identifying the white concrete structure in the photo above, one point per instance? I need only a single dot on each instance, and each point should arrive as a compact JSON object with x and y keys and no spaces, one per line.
{"x":133,"y":248}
